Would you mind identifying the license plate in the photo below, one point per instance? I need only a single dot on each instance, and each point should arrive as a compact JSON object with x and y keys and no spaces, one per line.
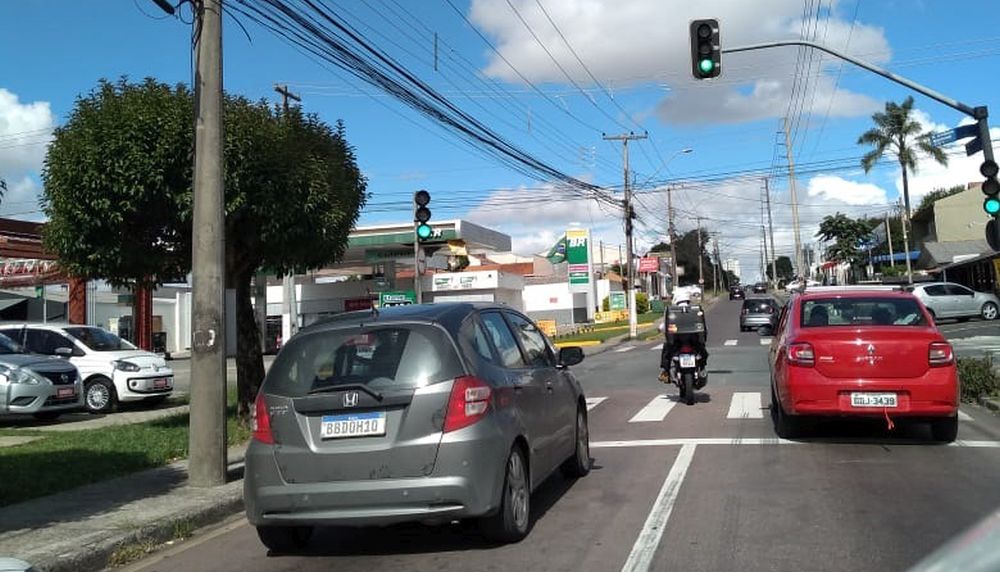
{"x":687,"y":360}
{"x":65,"y":392}
{"x":873,"y":400}
{"x":352,"y":425}
{"x":161,"y":383}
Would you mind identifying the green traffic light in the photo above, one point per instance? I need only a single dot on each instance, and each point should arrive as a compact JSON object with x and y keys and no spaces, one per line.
{"x":992,"y":205}
{"x":706,"y":66}
{"x":423,"y":231}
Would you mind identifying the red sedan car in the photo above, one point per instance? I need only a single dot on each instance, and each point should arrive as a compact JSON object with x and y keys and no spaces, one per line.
{"x":862,"y":353}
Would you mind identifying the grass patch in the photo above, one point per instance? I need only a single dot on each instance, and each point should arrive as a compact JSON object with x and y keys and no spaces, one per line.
{"x":62,"y":461}
{"x":977,"y":378}
{"x":130,"y":553}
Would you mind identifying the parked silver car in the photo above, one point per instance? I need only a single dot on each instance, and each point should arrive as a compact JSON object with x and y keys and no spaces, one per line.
{"x":949,"y":300}
{"x":36,"y":385}
{"x":426,"y":413}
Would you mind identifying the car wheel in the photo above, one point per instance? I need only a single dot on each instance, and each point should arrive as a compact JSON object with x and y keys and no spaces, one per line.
{"x":284,"y":539}
{"x":945,"y":430}
{"x":785,"y":425}
{"x":510,"y":522}
{"x":687,"y":383}
{"x":989,"y":311}
{"x":578,"y":465}
{"x":47,"y":415}
{"x":99,"y":395}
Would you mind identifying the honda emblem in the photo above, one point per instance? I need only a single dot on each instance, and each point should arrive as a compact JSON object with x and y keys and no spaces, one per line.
{"x":351,"y":399}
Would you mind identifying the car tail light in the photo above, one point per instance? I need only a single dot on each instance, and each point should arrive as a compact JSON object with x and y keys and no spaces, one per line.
{"x":469,"y":402}
{"x":940,"y":354}
{"x":260,"y":421}
{"x":801,"y":354}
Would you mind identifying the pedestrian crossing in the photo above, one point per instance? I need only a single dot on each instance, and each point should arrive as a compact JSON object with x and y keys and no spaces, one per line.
{"x":743,"y":405}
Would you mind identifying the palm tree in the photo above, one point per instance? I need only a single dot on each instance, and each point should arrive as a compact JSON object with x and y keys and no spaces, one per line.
{"x":898,"y":132}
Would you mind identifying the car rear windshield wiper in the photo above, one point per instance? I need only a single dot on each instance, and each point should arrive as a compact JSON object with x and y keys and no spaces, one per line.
{"x":359,"y":386}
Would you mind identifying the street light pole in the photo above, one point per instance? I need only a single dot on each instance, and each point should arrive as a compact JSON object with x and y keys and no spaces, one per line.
{"x":633,"y":321}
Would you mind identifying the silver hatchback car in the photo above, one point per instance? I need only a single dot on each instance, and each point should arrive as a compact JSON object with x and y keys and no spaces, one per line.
{"x":31,"y":384}
{"x":949,"y":300}
{"x":427,"y":413}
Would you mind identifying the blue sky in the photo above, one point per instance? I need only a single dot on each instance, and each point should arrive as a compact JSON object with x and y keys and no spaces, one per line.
{"x":638,"y":52}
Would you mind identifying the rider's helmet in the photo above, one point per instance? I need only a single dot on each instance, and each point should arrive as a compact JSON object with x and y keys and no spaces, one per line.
{"x":681,"y":297}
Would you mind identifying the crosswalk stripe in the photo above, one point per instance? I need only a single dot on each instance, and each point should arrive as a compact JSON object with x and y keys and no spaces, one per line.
{"x":765,"y":341}
{"x":732,"y":342}
{"x":963,"y":416}
{"x":745,"y":405}
{"x":657,"y":347}
{"x":655,"y":410}
{"x":625,"y":349}
{"x":593,"y":402}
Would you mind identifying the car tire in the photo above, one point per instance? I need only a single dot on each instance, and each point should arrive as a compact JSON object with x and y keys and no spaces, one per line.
{"x":945,"y":430}
{"x":578,"y":465}
{"x":284,"y":539}
{"x":47,"y":415}
{"x":99,"y":395}
{"x":510,"y":522}
{"x":786,"y":426}
{"x":989,"y":311}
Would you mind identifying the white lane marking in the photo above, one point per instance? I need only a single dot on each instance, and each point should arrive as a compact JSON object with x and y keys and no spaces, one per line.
{"x":655,"y":410}
{"x":963,"y":416}
{"x":745,"y":405}
{"x":731,"y":342}
{"x":625,"y":349}
{"x":656,"y":347}
{"x":641,"y":557}
{"x":765,"y":341}
{"x":753,"y":441}
{"x":593,"y":402}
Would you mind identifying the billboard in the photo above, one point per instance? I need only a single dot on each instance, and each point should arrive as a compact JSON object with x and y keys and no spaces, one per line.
{"x":578,"y":259}
{"x":649,"y":264}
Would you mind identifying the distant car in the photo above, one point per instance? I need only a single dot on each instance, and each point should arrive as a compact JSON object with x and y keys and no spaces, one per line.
{"x":15,"y":565}
{"x":36,"y":385}
{"x":759,"y":310}
{"x":862,"y":353}
{"x":736,"y":293}
{"x":949,"y":300}
{"x":420,"y":413}
{"x":760,"y":288}
{"x":113,"y":370}
{"x":798,"y":284}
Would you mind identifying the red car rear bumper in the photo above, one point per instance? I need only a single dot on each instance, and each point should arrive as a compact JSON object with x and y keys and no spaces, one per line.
{"x":935,"y":394}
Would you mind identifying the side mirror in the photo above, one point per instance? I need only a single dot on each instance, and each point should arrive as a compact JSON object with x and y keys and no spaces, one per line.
{"x":765,"y":331}
{"x":570,"y":355}
{"x":64,"y":352}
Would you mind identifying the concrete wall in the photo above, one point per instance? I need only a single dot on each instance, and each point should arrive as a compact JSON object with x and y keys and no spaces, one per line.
{"x":960,"y":217}
{"x":554,"y":301}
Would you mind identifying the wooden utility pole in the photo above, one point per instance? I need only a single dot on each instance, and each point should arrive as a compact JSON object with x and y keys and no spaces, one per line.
{"x":799,"y":267}
{"x":633,"y":323}
{"x":770,"y":230}
{"x":289,"y":302}
{"x":673,"y":238}
{"x":701,"y":273}
{"x":207,"y":431}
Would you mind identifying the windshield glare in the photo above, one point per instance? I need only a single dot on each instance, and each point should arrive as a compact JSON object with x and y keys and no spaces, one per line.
{"x":861,"y":312}
{"x":99,"y":340}
{"x":9,"y":346}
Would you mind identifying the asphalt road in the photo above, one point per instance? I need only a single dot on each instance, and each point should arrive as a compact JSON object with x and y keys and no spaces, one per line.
{"x":700,"y":488}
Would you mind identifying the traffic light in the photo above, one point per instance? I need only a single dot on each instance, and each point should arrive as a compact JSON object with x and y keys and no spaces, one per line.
{"x":991,"y":187}
{"x":993,"y":234}
{"x":706,"y":53}
{"x":421,"y":214}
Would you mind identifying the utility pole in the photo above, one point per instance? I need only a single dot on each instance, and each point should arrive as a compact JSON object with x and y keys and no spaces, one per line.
{"x":904,"y":216}
{"x":701,"y":274}
{"x":673,"y":238}
{"x":718,"y":261}
{"x":290,"y":303}
{"x":633,"y":323}
{"x":770,"y":229}
{"x":888,"y":234}
{"x":795,"y":202}
{"x":207,"y":430}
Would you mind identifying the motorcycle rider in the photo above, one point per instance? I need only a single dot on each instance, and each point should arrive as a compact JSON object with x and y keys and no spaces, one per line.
{"x":681,"y":299}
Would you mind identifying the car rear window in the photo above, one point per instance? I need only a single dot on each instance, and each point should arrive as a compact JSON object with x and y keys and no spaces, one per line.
{"x":382,"y":358}
{"x":758,"y":306}
{"x":872,"y":311}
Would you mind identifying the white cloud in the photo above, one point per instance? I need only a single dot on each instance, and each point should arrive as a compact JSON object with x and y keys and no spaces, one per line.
{"x":20,"y":201}
{"x":646,"y":41}
{"x":25,"y":129}
{"x":930,"y":175}
{"x":837,"y":189}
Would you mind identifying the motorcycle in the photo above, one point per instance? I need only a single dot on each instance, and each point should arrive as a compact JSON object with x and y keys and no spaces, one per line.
{"x":686,"y":373}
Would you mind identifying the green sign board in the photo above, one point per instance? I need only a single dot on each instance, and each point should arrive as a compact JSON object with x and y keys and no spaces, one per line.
{"x":578,"y":259}
{"x":398,"y":298}
{"x":617,"y":301}
{"x":377,"y":256}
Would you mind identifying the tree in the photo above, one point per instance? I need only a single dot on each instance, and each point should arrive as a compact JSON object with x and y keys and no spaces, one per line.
{"x":688,"y":253}
{"x":118,"y":195}
{"x":928,"y":200}
{"x":785,"y":270}
{"x":896,"y":131}
{"x":848,"y":235}
{"x":641,"y":303}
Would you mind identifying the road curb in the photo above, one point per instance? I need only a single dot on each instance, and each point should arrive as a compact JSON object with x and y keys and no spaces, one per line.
{"x":989,"y":403}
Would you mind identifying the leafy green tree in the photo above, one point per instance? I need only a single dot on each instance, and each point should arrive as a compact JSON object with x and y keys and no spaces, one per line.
{"x":898,"y":133}
{"x":118,"y":195}
{"x":928,"y":200}
{"x":847,"y":235}
{"x":688,"y":253}
{"x":641,"y":303}
{"x":785,"y":270}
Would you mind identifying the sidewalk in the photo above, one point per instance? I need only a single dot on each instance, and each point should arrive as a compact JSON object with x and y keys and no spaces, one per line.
{"x":79,"y":530}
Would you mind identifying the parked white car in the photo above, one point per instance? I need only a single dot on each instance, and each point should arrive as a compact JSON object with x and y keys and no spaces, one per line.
{"x":113,"y":370}
{"x":949,"y":300}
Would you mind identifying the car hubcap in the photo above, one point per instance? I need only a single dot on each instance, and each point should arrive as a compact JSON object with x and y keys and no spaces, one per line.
{"x":97,"y":396}
{"x":582,"y":440}
{"x":517,"y":491}
{"x":990,"y":312}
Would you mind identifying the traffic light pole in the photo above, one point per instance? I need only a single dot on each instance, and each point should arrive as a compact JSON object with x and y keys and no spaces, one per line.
{"x":418,"y":292}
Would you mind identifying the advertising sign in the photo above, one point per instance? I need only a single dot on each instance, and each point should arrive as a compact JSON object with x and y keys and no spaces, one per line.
{"x":617,"y":301}
{"x":578,"y":258}
{"x":450,"y":281}
{"x":650,"y":264}
{"x":400,"y":298}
